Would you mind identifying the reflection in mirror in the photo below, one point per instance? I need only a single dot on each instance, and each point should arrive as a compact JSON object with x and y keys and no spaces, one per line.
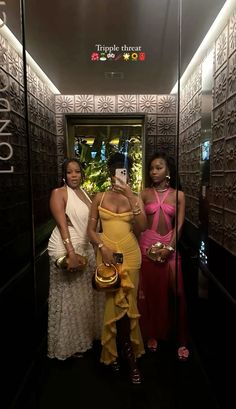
{"x":94,"y":144}
{"x":16,"y":284}
{"x":15,"y":190}
{"x":94,"y":138}
{"x":207,"y":164}
{"x":78,"y":75}
{"x":206,"y":97}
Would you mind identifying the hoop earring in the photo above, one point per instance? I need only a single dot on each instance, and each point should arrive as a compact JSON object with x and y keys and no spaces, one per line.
{"x":64,"y":180}
{"x":167,"y":180}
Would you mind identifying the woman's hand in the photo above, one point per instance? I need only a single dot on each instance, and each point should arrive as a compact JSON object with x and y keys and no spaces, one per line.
{"x":122,"y":187}
{"x":158,"y":254}
{"x":162,"y":255}
{"x":73,"y":262}
{"x":107,"y":255}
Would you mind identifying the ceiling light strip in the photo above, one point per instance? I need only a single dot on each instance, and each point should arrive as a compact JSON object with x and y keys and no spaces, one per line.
{"x":12,"y":40}
{"x":208,"y":41}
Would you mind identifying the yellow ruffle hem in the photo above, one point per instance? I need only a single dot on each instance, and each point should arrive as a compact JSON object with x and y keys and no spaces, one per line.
{"x":123,"y":301}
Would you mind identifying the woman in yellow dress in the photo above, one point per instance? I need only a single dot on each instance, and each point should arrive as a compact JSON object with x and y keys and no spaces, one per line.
{"x":122,"y":216}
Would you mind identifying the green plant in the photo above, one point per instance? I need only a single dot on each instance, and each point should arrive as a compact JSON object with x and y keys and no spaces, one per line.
{"x":95,"y":158}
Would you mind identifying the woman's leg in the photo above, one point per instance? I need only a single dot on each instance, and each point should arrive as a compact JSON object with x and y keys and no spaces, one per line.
{"x":123,"y":332}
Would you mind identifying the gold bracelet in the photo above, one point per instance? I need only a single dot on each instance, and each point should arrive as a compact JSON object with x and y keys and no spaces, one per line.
{"x":136,"y":212}
{"x":66,"y":241}
{"x":170,"y":248}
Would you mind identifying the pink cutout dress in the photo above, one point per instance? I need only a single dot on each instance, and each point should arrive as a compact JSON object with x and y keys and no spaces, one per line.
{"x":158,"y":286}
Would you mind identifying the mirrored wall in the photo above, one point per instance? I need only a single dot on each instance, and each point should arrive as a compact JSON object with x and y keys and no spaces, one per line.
{"x":86,"y":78}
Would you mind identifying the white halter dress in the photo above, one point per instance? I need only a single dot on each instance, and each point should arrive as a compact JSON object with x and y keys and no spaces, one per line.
{"x":75,"y":309}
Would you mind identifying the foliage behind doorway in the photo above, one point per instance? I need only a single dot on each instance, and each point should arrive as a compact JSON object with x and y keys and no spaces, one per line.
{"x":95,"y":141}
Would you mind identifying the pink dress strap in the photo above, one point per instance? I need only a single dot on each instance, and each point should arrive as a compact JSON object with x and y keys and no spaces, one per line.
{"x":157,"y":214}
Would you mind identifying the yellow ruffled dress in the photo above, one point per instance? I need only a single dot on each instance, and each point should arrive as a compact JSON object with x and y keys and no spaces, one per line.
{"x":117,"y":234}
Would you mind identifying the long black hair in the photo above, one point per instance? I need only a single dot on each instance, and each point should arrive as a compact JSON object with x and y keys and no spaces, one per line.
{"x":65,"y":166}
{"x":170,"y":163}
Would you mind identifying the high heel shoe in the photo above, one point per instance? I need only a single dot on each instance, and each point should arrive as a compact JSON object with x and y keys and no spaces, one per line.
{"x":135,"y":375}
{"x":115,"y":366}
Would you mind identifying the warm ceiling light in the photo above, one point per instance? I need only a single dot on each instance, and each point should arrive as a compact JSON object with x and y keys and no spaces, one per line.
{"x":208,"y":41}
{"x":18,"y":47}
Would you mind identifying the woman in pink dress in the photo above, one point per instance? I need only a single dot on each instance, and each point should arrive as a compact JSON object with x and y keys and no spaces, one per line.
{"x":161,"y":291}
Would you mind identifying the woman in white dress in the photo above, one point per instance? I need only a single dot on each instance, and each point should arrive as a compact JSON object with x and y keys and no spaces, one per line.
{"x":75,"y":309}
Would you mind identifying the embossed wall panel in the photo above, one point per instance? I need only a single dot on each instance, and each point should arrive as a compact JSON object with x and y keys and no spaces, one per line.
{"x":230,"y":191}
{"x":223,"y":140}
{"x":223,"y":157}
{"x":189,"y":152}
{"x":216,"y":225}
{"x":230,"y":153}
{"x":160,"y":111}
{"x":15,"y":186}
{"x":231,"y":116}
{"x":217,"y":156}
{"x":218,"y":123}
{"x":217,"y":190}
{"x":230,"y":230}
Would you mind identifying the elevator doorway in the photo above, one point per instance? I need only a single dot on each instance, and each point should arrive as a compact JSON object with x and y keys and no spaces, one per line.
{"x":93,"y":138}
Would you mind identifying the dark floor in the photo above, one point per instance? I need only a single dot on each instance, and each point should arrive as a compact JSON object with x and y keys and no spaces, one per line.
{"x":84,"y":383}
{"x":204,"y":382}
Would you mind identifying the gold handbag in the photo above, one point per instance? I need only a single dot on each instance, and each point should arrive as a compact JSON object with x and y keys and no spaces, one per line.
{"x":62,"y":262}
{"x":151,"y":251}
{"x":106,"y":278}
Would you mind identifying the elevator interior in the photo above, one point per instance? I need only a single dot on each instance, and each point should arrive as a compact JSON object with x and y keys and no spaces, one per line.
{"x":117,"y":61}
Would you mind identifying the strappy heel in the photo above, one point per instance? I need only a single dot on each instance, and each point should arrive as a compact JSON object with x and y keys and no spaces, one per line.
{"x":115,"y":366}
{"x":135,"y":375}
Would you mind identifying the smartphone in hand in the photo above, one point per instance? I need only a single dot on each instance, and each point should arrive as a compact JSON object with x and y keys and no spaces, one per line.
{"x":122,"y":174}
{"x":118,"y":258}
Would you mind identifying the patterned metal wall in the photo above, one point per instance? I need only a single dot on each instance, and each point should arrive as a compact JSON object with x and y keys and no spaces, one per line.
{"x":14,"y":190}
{"x":223,"y":157}
{"x":41,"y":107}
{"x":222,"y":189}
{"x":160,"y":110}
{"x":189,"y":144}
